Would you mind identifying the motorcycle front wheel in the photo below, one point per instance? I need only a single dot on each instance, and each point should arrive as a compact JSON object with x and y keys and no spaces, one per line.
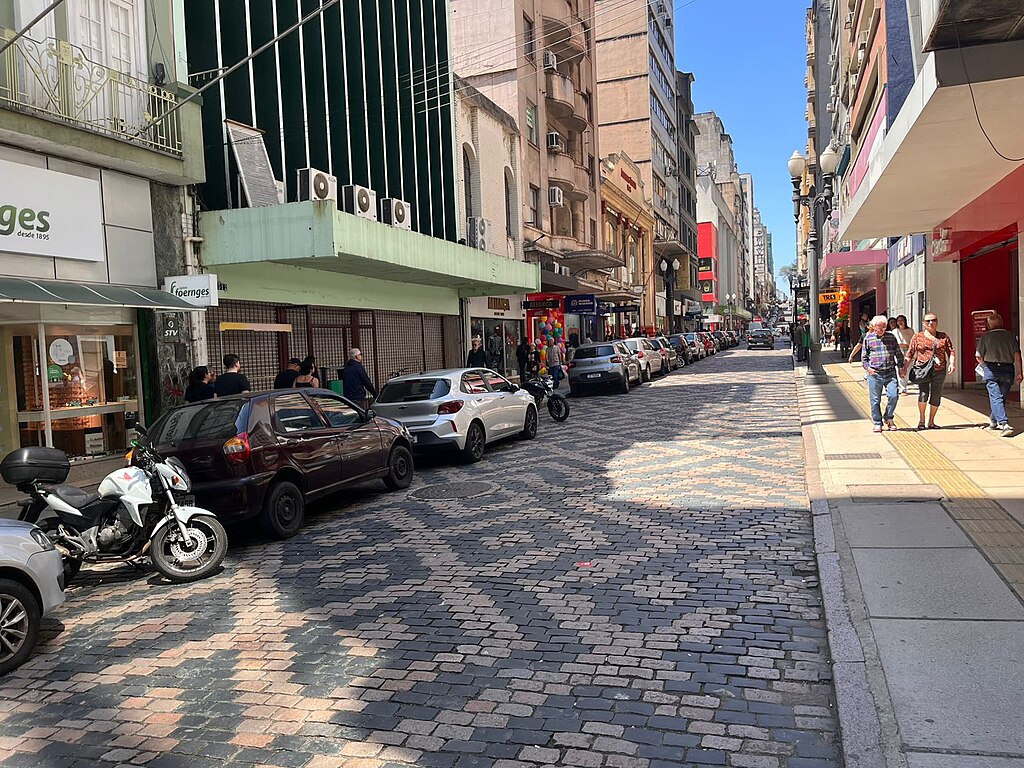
{"x":558,"y":407}
{"x":181,"y":561}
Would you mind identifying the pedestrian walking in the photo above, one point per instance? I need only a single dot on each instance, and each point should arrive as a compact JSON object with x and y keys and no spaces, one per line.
{"x":998,"y":354}
{"x":477,"y":358}
{"x":533,"y":366}
{"x":882,"y":358}
{"x":863,"y":327}
{"x":232,"y":381}
{"x":355,"y":383}
{"x":199,"y":386}
{"x":307,"y":376}
{"x":286,"y":378}
{"x":554,"y":361}
{"x":903,"y":333}
{"x":844,"y":339}
{"x":496,"y":350}
{"x":930,"y":358}
{"x":805,"y":342}
{"x":523,"y":358}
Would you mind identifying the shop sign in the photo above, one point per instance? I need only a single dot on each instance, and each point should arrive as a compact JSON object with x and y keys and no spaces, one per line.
{"x":581,"y":304}
{"x":170,"y":327}
{"x":542,"y":304}
{"x":831,"y":297}
{"x":197,"y":290}
{"x":979,"y":322}
{"x":499,"y":304}
{"x":623,"y":308}
{"x":45,"y":213}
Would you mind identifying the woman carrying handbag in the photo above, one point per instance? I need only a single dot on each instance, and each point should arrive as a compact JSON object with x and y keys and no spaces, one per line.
{"x":930,"y":358}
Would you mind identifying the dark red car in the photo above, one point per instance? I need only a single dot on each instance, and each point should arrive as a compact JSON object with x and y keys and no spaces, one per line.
{"x":264,"y":455}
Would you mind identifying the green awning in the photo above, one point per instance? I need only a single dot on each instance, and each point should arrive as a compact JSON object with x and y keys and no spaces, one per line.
{"x":21,"y":290}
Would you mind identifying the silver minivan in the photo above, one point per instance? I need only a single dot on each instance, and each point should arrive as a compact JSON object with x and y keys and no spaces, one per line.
{"x":603,"y":364}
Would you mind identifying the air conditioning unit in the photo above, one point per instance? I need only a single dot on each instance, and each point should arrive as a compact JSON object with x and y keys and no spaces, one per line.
{"x":556,"y":198}
{"x":849,"y":20}
{"x":555,"y":142}
{"x":317,"y":185}
{"x":550,"y":60}
{"x":396,"y":213}
{"x":359,"y":201}
{"x":861,"y":55}
{"x":479,"y":233}
{"x":830,"y":107}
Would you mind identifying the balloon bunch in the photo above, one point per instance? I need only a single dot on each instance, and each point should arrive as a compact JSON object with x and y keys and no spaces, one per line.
{"x":550,"y":327}
{"x":843,"y":310}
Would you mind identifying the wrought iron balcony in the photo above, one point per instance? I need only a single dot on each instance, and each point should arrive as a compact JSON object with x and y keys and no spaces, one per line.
{"x":54,"y":79}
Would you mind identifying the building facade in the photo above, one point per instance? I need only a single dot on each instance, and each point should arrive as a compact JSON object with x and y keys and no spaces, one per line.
{"x":488,"y":159}
{"x":687,"y":282}
{"x":341,"y":229}
{"x":93,"y":174}
{"x":721,"y":254}
{"x":547,"y":82}
{"x":764,"y":265}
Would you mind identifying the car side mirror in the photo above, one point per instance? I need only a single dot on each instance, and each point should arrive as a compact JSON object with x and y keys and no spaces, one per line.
{"x":370,"y":414}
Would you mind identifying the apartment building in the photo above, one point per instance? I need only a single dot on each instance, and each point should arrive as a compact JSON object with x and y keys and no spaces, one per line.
{"x":93,"y":168}
{"x":764,"y":264}
{"x":720,"y":251}
{"x":535,"y":59}
{"x":687,"y":281}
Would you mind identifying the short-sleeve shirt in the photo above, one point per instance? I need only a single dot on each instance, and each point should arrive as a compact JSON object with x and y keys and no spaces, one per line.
{"x":231,"y":384}
{"x":923,"y":348}
{"x":998,"y":346}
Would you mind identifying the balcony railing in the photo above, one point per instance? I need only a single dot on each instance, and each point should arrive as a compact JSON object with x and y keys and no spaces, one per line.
{"x":54,"y":79}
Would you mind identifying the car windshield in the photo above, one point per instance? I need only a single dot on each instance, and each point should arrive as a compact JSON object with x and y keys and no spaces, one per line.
{"x":691,"y":337}
{"x":211,"y":420}
{"x":762,"y":332}
{"x":413,"y":390}
{"x":603,"y":350}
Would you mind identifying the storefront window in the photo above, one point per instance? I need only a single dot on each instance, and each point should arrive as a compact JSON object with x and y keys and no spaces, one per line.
{"x":90,"y":375}
{"x":500,"y":338}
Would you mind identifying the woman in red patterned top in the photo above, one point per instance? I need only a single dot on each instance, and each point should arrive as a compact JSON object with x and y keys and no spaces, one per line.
{"x":931,"y":345}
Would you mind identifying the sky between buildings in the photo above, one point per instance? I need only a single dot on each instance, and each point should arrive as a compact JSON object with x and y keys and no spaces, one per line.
{"x":748,"y":58}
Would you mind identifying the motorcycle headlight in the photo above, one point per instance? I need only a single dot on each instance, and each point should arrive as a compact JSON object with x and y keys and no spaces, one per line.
{"x":182,"y":482}
{"x":40,"y":538}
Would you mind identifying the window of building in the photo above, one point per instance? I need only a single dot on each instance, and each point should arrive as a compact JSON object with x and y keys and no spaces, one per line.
{"x":467,"y":182}
{"x":533,"y":202}
{"x":588,"y":103}
{"x":529,"y":38}
{"x":593,"y":233}
{"x":531,"y":123}
{"x":592,"y":171}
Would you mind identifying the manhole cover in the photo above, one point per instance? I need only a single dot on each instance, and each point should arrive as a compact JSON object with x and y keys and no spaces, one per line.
{"x":851,"y":456}
{"x":463,"y":490}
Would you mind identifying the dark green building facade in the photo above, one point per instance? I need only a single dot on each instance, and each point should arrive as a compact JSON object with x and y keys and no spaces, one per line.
{"x":362,"y":91}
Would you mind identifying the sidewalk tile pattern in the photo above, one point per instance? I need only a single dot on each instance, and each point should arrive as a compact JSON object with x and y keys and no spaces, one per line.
{"x":637,"y":591}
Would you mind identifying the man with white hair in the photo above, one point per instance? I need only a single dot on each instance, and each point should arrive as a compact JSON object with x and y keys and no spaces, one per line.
{"x":355,"y":382}
{"x":882,"y":359}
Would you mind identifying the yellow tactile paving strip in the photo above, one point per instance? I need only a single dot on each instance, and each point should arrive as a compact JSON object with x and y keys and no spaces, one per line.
{"x":996,"y":534}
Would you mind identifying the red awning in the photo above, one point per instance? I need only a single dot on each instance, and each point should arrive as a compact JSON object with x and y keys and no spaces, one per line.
{"x":848,"y":259}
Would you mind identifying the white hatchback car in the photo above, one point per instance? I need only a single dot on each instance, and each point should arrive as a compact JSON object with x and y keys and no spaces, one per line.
{"x":651,"y":363}
{"x":460,"y":408}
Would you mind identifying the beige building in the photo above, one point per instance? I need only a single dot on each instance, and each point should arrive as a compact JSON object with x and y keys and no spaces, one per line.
{"x":629,"y":232}
{"x":534,"y":59}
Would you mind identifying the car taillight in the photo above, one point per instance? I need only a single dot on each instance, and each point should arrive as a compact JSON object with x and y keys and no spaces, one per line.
{"x":237,"y":449}
{"x":452,"y":406}
{"x":615,"y":359}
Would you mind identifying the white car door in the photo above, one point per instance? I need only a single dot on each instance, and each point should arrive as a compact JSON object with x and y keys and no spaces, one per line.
{"x":483,"y":402}
{"x":511,"y":409}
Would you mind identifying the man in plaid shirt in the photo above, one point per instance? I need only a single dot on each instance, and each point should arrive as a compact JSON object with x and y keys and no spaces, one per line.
{"x":882,"y":358}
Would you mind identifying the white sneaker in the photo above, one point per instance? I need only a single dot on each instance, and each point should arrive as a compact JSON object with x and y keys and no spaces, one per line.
{"x":1006,"y":429}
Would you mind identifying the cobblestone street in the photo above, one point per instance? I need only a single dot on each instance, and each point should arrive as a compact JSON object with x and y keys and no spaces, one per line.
{"x":633,"y":589}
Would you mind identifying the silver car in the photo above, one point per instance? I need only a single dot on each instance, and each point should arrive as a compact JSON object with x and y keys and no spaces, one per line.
{"x":651,"y":362}
{"x":459,"y":408}
{"x":603,"y":364}
{"x":31,"y":586}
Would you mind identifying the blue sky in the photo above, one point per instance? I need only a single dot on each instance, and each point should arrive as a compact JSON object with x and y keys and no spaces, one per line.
{"x":748,"y":58}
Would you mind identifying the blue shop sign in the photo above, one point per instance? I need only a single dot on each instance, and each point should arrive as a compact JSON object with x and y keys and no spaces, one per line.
{"x":626,"y":308}
{"x":581,"y":304}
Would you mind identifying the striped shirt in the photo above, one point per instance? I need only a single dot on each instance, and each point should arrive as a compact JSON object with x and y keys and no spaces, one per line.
{"x":881,"y":353}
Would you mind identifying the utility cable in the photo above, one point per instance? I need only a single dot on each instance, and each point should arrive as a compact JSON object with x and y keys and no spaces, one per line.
{"x":974,"y":102}
{"x":24,"y":30}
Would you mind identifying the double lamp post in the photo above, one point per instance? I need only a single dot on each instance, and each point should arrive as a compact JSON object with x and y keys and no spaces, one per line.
{"x":828,"y":161}
{"x":668,"y":272}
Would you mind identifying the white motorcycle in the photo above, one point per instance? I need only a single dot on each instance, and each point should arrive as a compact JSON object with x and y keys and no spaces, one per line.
{"x":139,"y":510}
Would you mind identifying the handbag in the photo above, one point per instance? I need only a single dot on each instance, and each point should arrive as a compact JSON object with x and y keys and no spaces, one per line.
{"x":921,"y":373}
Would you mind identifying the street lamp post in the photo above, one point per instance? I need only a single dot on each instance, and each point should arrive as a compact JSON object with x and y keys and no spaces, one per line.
{"x":730,"y":301}
{"x":828,"y":162}
{"x":668,"y":272}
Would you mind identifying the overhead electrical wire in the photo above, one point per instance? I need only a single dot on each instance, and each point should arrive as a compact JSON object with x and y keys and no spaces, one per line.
{"x":24,"y":30}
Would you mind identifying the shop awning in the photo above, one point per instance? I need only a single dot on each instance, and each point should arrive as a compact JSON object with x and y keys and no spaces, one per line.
{"x":590,"y":259}
{"x":21,"y":290}
{"x":617,"y":296}
{"x":849,"y":260}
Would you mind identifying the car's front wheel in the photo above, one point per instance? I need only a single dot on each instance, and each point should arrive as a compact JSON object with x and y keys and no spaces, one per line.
{"x":20,"y":616}
{"x":284,"y":510}
{"x":400,"y":468}
{"x":475,"y":443}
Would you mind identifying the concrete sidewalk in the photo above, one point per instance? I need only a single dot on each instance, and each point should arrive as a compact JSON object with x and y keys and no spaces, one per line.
{"x":920,"y":539}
